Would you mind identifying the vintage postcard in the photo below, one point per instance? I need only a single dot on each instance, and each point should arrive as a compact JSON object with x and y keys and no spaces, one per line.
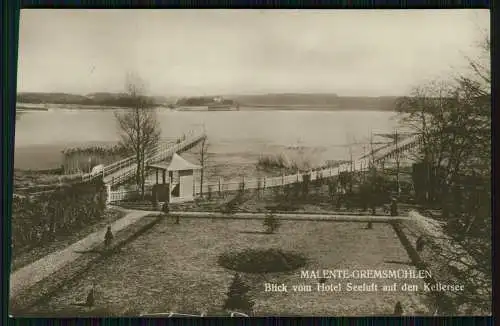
{"x":248,"y":163}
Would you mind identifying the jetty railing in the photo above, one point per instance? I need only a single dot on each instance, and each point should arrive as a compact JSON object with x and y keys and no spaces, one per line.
{"x":118,"y":171}
{"x":127,"y":169}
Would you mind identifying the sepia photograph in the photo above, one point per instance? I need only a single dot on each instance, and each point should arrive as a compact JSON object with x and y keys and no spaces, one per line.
{"x":249,"y":163}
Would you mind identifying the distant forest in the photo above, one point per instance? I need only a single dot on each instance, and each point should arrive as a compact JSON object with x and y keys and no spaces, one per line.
{"x":246,"y":102}
{"x":318,"y":101}
{"x":103,"y":99}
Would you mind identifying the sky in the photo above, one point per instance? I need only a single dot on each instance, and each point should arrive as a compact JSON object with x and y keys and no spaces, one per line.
{"x":220,"y":52}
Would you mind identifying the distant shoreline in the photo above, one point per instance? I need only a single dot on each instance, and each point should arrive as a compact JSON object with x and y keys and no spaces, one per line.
{"x":243,"y":107}
{"x":27,"y":109}
{"x":271,"y":101}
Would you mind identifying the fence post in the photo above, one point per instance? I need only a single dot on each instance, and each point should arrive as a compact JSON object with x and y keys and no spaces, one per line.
{"x":219,"y":188}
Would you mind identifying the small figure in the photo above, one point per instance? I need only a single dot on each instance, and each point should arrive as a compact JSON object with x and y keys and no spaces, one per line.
{"x":398,"y":309}
{"x":108,"y":237}
{"x":419,"y":244}
{"x":90,"y":301}
{"x":394,"y":207}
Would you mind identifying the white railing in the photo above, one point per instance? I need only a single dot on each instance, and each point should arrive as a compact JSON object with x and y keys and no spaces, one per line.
{"x":261,"y":183}
{"x":402,"y":146}
{"x":124,"y":169}
{"x":129,"y":161}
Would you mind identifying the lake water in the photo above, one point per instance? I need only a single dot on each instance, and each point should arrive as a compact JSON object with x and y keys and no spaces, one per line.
{"x":234,"y":136}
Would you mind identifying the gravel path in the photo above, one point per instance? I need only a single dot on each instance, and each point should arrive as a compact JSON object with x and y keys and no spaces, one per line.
{"x":44,"y":267}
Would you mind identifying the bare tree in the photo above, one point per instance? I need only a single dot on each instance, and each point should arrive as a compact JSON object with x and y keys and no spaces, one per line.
{"x":453,"y":118}
{"x":397,"y":158}
{"x":426,"y":111}
{"x":350,"y":144}
{"x":372,"y":159}
{"x":139,"y":128}
{"x":203,"y":157}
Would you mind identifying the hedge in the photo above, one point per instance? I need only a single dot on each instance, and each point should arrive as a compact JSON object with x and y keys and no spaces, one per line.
{"x":42,"y":218}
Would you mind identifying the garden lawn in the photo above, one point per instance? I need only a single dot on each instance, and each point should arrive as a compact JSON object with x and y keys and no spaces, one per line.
{"x":175,"y":268}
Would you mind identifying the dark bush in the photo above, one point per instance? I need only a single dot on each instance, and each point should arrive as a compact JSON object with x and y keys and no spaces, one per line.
{"x":262,"y":261}
{"x":306,"y":180}
{"x":209,"y":192}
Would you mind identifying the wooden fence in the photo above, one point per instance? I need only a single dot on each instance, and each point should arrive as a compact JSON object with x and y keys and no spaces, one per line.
{"x":245,"y":183}
{"x":266,"y":182}
{"x":221,"y":186}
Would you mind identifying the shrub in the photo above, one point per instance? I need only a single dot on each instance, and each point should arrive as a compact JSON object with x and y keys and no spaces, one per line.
{"x":209,"y":192}
{"x":237,"y":296}
{"x":283,"y":162}
{"x":305,"y":185}
{"x":332,"y":188}
{"x":241,"y":188}
{"x":273,"y":161}
{"x":271,"y":223}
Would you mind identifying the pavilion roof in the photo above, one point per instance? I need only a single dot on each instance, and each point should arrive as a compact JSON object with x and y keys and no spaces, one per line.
{"x":180,"y":164}
{"x":176,"y":164}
